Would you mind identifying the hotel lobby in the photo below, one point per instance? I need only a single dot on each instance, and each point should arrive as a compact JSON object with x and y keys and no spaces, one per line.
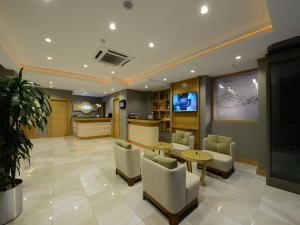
{"x":149,"y":112}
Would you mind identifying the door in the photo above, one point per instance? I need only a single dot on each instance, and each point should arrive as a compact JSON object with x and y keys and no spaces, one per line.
{"x":59,"y":119}
{"x":116,"y":118}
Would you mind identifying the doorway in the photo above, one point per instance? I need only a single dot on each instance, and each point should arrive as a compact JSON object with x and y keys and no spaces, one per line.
{"x":116,"y":119}
{"x":59,"y":121}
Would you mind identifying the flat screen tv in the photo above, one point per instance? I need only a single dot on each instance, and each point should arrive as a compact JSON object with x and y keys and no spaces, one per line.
{"x":186,"y":102}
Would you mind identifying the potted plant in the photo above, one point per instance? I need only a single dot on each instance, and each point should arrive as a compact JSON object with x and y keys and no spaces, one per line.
{"x":22,"y":104}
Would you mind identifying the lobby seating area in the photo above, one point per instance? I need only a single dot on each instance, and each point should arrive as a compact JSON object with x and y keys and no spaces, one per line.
{"x":73,"y":181}
{"x":140,"y":112}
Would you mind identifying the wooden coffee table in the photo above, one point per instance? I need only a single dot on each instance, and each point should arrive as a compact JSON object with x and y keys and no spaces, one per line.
{"x":162,"y":146}
{"x":197,"y":156}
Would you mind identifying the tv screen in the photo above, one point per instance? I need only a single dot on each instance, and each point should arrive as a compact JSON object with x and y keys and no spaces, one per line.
{"x":122,"y":104}
{"x":186,"y":102}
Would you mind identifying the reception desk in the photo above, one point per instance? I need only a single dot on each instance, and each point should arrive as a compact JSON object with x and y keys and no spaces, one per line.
{"x":143,"y":132}
{"x":87,"y":128}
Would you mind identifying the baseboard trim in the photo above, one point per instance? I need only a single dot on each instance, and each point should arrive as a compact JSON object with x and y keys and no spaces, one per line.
{"x":246,"y":161}
{"x":92,"y":137}
{"x":261,"y":172}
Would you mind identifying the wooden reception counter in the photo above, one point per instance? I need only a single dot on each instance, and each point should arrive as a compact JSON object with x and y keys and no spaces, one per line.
{"x":87,"y":128}
{"x":143,"y":132}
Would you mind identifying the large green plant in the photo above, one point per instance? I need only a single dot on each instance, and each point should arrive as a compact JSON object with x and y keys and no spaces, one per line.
{"x":22,"y":104}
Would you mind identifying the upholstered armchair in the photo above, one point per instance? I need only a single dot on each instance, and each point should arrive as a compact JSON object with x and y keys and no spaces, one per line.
{"x":181,"y":140}
{"x":223,"y":151}
{"x":174,"y":191}
{"x":127,"y":161}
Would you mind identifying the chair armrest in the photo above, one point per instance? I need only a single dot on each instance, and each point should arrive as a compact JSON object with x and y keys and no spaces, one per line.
{"x":232,"y":150}
{"x":204,"y":144}
{"x":192,"y":142}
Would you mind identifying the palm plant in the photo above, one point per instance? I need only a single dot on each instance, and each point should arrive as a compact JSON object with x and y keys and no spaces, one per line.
{"x":22,"y":104}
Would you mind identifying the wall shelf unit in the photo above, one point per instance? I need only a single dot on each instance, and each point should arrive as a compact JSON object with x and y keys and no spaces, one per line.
{"x":161,"y":109}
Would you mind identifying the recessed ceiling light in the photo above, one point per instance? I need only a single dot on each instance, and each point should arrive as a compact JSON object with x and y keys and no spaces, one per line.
{"x":192,"y":71}
{"x":50,"y":82}
{"x":204,"y":9}
{"x":112,"y":26}
{"x":51,"y":86}
{"x":49,"y":58}
{"x":146,"y":87}
{"x":151,"y":45}
{"x":85,"y":92}
{"x":48,"y":40}
{"x":85,"y":66}
{"x":165,"y":79}
{"x":112,"y":72}
{"x":238,"y":57}
{"x":104,"y":92}
{"x":112,"y":89}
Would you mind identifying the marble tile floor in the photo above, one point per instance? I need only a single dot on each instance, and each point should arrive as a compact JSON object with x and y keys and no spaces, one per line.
{"x":73,"y":182}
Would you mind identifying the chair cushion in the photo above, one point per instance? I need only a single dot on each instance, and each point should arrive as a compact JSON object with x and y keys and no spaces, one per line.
{"x":177,"y":149}
{"x":220,"y":161}
{"x":182,"y":137}
{"x":150,"y":155}
{"x":192,"y":187}
{"x":219,"y":144}
{"x":212,"y":138}
{"x":123,"y":144}
{"x":224,"y":144}
{"x":167,"y":162}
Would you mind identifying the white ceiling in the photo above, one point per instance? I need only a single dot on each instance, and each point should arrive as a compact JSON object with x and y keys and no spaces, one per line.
{"x":176,"y":27}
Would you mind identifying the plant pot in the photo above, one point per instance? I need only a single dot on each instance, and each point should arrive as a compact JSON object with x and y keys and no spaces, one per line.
{"x":11,"y":203}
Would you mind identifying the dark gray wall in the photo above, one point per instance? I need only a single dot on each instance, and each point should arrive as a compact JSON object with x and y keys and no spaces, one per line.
{"x":123,"y":112}
{"x":262,"y":116}
{"x":136,"y":102}
{"x":64,"y":94}
{"x":251,"y":138}
{"x":205,"y":107}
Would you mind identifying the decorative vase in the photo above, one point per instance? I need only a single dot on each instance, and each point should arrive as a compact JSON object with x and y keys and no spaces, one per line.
{"x":11,"y":203}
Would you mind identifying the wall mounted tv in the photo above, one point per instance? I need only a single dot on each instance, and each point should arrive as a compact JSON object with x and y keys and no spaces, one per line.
{"x":186,"y":102}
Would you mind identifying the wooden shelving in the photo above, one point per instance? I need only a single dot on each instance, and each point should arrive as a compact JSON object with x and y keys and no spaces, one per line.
{"x":161,"y":109}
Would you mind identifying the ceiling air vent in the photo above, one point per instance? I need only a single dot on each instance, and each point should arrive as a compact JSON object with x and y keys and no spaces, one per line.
{"x":112,"y":57}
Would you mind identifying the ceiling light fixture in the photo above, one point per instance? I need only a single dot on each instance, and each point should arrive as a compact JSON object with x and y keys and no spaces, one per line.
{"x":85,"y":66}
{"x":192,"y":71}
{"x":48,"y":40}
{"x":238,"y":57}
{"x":112,"y":89}
{"x":204,"y":9}
{"x":151,"y":45}
{"x":112,"y":72}
{"x":104,"y":92}
{"x":112,"y":26}
{"x":146,"y":87}
{"x":49,"y":58}
{"x":50,"y":82}
{"x":165,"y":79}
{"x":51,"y":86}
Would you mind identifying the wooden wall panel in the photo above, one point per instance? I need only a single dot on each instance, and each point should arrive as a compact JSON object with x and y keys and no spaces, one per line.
{"x":187,"y":121}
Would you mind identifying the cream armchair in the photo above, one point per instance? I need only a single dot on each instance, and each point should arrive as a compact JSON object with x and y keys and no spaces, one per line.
{"x":173,"y":191}
{"x":181,"y":140}
{"x":223,"y":151}
{"x":128,"y":164}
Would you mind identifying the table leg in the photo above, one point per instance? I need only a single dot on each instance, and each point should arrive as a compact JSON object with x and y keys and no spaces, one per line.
{"x":202,"y":177}
{"x":189,"y":166}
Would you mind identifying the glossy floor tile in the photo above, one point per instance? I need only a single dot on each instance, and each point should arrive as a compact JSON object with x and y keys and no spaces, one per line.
{"x":73,"y":181}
